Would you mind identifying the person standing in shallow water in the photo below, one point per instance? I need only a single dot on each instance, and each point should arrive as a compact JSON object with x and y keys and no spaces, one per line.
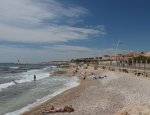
{"x":34,"y":77}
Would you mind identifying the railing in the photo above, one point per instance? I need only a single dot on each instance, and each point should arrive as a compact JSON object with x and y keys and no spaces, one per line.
{"x":144,"y":67}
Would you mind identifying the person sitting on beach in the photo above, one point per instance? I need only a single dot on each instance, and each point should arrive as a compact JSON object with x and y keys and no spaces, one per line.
{"x":93,"y":75}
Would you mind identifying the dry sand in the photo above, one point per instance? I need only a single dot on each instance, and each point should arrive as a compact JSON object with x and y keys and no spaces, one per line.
{"x":102,"y":96}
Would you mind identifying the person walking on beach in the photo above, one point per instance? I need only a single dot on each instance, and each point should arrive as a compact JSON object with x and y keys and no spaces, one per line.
{"x":84,"y":75}
{"x":34,"y":77}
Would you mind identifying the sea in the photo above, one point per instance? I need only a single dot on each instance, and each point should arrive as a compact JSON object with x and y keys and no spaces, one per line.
{"x":19,"y":92}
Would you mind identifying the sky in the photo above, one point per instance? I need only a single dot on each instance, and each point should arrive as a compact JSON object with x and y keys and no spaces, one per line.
{"x":48,"y":30}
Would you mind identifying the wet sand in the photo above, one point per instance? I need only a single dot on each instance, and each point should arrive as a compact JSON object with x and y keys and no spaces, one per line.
{"x":103,"y":96}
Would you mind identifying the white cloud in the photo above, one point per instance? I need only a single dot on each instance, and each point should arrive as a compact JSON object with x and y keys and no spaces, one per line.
{"x":34,"y":12}
{"x":67,"y":48}
{"x":48,"y":34}
{"x":39,"y":21}
{"x":43,"y":21}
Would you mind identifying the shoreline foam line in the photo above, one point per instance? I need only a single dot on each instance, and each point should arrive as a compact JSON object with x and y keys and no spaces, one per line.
{"x":6,"y":85}
{"x":46,"y":98}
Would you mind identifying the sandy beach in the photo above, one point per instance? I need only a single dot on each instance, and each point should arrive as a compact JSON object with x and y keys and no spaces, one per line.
{"x":105,"y":96}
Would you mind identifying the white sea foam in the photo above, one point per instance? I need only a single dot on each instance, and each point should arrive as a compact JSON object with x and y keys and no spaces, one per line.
{"x":28,"y":76}
{"x":73,"y":83}
{"x":14,"y":67}
{"x":6,"y":85}
{"x":53,"y":66}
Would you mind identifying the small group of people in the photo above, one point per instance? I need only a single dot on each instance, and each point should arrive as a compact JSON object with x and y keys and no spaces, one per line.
{"x":93,"y":75}
{"x":97,"y":77}
{"x":55,"y":110}
{"x":76,"y":70}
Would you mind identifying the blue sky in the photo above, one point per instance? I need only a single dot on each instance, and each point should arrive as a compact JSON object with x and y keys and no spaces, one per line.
{"x":45,"y":30}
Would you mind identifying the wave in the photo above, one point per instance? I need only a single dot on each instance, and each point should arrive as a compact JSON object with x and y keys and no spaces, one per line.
{"x":27,"y":77}
{"x":73,"y":83}
{"x":14,"y":67}
{"x":53,"y":67}
{"x":6,"y":85}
